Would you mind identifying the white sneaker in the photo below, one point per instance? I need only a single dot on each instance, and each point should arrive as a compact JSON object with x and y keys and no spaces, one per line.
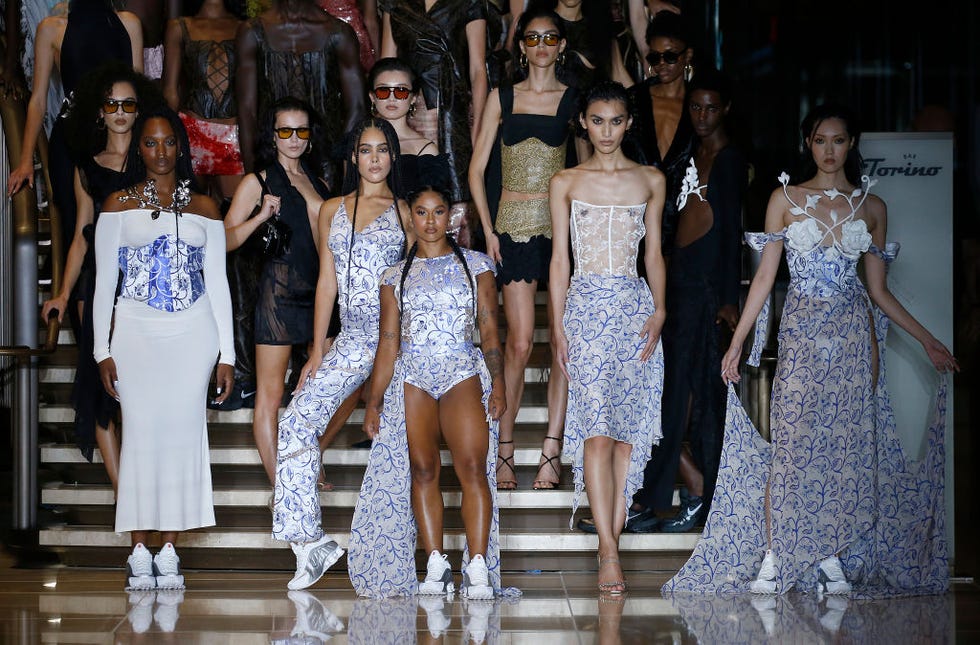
{"x":435,"y":618}
{"x":141,"y":613}
{"x":476,"y":580}
{"x":313,"y":619}
{"x":312,"y":561}
{"x":831,"y":575}
{"x":139,"y":570}
{"x":167,"y":613}
{"x":836,"y":606}
{"x":765,"y":582}
{"x":477,"y":621}
{"x":166,"y":568}
{"x":438,"y":576}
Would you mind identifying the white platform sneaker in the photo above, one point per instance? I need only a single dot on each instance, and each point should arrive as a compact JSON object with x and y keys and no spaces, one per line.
{"x":438,"y":576}
{"x":765,"y":582}
{"x":476,"y":580}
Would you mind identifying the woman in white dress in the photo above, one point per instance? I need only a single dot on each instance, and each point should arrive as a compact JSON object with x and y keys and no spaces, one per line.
{"x":171,"y":322}
{"x":608,"y":344}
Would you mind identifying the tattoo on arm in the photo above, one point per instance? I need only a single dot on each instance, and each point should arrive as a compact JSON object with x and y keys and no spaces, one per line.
{"x":495,"y":362}
{"x":389,"y":335}
{"x":482,"y":316}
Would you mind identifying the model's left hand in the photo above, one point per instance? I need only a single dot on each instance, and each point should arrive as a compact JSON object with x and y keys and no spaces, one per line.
{"x":651,"y":329}
{"x":225,"y":378}
{"x":497,"y":404}
{"x":727,"y":314}
{"x":941,"y":358}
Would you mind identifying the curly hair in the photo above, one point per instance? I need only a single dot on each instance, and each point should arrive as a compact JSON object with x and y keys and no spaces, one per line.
{"x":87,"y":133}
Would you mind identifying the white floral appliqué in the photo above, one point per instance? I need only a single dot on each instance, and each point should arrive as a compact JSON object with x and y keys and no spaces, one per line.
{"x":803,"y":236}
{"x":855,"y":239}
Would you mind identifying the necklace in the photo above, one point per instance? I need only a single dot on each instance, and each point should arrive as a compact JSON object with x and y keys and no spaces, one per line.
{"x":149,"y":198}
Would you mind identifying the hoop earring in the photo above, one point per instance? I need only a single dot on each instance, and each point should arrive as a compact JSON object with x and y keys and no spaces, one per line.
{"x":523,"y":61}
{"x":374,"y":109}
{"x":561,"y":59}
{"x":411,"y":109}
{"x":688,"y":73}
{"x":100,"y":123}
{"x":309,"y":145}
{"x":650,"y":71}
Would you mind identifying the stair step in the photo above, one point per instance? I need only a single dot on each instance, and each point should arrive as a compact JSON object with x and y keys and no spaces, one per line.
{"x":217,"y":538}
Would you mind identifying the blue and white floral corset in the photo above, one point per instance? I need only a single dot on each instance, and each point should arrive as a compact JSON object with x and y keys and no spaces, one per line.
{"x":162,"y":264}
{"x":821,"y":271}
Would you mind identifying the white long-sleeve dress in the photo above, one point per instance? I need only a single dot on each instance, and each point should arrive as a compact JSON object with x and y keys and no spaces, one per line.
{"x":172,"y":321}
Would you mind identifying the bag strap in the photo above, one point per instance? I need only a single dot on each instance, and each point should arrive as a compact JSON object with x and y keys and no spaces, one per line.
{"x":265,"y":188}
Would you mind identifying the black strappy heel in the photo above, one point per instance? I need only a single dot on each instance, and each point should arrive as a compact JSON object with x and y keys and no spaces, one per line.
{"x":509,"y":462}
{"x":544,"y":484}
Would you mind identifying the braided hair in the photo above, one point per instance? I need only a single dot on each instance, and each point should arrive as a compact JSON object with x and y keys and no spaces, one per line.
{"x":453,"y":244}
{"x":352,"y":179}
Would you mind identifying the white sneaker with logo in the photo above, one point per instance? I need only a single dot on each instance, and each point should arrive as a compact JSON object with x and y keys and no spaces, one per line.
{"x":139,"y":570}
{"x":166,"y":568}
{"x":438,"y":576}
{"x":435,"y":617}
{"x":476,"y":580}
{"x":312,"y":561}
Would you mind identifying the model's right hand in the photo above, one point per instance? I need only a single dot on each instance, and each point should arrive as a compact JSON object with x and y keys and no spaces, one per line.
{"x":18,"y":177}
{"x":107,"y":372}
{"x":58,"y":303}
{"x":560,"y":343}
{"x":372,"y":421}
{"x":729,"y":363}
{"x":493,"y":247}
{"x":312,"y":365}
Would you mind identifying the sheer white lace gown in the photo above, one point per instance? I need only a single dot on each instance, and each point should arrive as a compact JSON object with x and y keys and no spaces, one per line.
{"x":611,"y":392}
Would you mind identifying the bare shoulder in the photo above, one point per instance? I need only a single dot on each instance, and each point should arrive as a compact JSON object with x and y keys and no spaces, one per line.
{"x":563,"y":179}
{"x":118,"y":201}
{"x":875,"y":211}
{"x":49,"y":28}
{"x":330,"y":206}
{"x":653,"y":177}
{"x":129,"y":19}
{"x":204,"y":206}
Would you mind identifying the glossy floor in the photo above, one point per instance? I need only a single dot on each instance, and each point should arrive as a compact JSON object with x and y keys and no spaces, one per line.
{"x":72,"y":605}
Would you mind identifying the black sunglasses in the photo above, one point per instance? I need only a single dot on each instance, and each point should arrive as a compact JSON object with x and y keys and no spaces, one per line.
{"x":285,"y":132}
{"x":109,"y":106}
{"x":668,"y":56}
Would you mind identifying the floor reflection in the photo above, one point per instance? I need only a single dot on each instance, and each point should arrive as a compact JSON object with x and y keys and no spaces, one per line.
{"x":89,"y":606}
{"x":806,"y":618}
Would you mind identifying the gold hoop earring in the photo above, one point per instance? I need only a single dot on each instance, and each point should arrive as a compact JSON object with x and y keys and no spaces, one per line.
{"x":523,"y":61}
{"x":561,"y":58}
{"x":688,"y":73}
{"x":309,"y":145}
{"x":650,"y":71}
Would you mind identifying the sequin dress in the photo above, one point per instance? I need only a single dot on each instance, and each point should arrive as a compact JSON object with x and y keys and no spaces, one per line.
{"x":838,"y":480}
{"x":171,"y":321}
{"x":359,"y":263}
{"x":349,"y":12}
{"x":611,"y":392}
{"x":437,"y":351}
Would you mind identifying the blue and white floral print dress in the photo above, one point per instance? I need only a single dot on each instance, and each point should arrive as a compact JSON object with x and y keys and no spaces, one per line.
{"x":838,"y":480}
{"x":611,"y":392}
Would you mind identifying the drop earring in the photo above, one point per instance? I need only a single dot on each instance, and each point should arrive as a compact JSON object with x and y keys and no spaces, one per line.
{"x":688,"y":73}
{"x":561,"y":58}
{"x":523,"y":61}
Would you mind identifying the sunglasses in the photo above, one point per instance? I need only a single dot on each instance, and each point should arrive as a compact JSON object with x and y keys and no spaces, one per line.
{"x":668,"y":57}
{"x":550,"y":39}
{"x":284,"y":132}
{"x":109,"y":106}
{"x":382,"y":92}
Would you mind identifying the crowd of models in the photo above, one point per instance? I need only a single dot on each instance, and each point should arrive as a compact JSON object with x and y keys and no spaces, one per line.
{"x":348,"y":237}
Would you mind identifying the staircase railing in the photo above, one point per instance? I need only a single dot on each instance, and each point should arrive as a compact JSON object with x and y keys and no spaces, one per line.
{"x":19,"y":267}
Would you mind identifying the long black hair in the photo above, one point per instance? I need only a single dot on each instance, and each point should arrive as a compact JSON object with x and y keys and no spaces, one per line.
{"x":352,"y":178}
{"x":136,"y":172}
{"x":266,"y":153}
{"x":812,"y":121}
{"x":453,"y":244}
{"x":83,"y":122}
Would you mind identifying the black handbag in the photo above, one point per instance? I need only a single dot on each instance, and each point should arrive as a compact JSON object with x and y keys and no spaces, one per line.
{"x":272,"y":237}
